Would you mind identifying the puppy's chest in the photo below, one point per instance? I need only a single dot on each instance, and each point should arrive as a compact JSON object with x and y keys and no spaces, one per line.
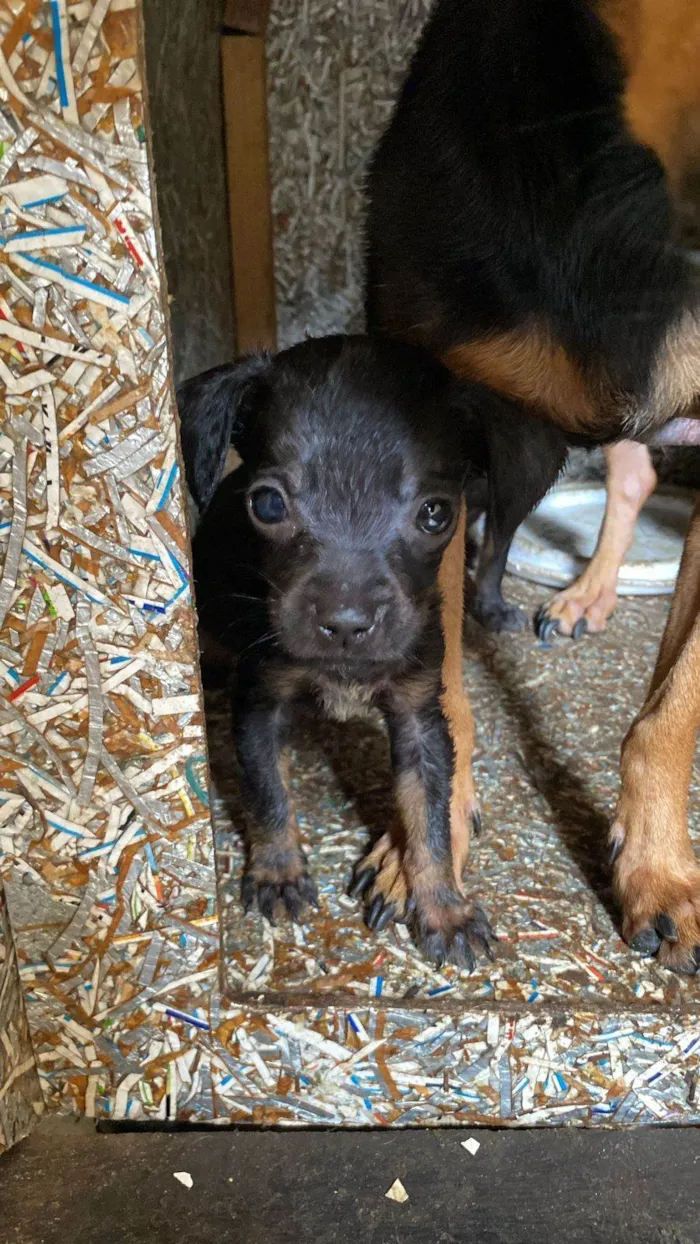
{"x":344,"y":700}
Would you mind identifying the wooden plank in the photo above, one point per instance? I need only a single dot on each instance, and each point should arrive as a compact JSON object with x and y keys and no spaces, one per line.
{"x":248,"y":15}
{"x":250,"y":216}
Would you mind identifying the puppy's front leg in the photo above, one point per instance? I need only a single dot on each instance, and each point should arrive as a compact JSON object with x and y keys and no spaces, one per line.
{"x":448,"y":928}
{"x":276,"y":869}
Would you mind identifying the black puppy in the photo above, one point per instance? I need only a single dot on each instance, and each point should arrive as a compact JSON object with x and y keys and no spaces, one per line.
{"x":324,"y":565}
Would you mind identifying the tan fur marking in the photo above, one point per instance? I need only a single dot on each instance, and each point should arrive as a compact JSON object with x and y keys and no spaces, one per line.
{"x":454,"y":701}
{"x":659,"y":41}
{"x":675,"y":387}
{"x":526,"y":365}
{"x":391,"y":881}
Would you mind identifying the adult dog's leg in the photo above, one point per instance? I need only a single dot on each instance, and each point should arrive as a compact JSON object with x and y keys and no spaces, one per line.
{"x":525,"y":456}
{"x":656,"y":875}
{"x":587,"y":604}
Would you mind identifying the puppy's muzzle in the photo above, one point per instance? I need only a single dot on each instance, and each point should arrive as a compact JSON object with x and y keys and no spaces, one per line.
{"x":346,"y":616}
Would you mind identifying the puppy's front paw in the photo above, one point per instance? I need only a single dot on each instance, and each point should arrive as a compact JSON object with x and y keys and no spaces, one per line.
{"x":276,"y":878}
{"x":450,"y":930}
{"x":379,"y":878}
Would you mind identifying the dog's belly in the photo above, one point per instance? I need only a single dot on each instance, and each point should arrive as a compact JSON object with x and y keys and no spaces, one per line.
{"x":344,"y":700}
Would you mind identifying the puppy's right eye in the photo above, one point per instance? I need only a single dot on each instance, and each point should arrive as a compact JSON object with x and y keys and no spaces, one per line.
{"x":268,"y":505}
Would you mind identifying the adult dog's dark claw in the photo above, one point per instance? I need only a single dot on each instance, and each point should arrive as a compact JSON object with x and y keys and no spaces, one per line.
{"x":545,"y":627}
{"x":580,"y":629}
{"x":666,"y":927}
{"x":615,"y":849}
{"x":646,"y":942}
{"x":477,"y":825}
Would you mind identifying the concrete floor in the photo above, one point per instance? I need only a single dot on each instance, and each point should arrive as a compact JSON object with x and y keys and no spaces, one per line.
{"x":66,"y":1183}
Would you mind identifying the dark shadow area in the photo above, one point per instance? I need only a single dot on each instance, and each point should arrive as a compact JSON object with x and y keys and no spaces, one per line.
{"x":356,"y":751}
{"x":580,"y":824}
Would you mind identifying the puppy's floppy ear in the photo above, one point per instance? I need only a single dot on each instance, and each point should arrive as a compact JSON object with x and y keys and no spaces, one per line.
{"x":214,"y":407}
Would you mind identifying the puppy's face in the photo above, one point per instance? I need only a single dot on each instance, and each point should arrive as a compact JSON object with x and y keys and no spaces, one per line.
{"x":348,"y":495}
{"x":352,"y":522}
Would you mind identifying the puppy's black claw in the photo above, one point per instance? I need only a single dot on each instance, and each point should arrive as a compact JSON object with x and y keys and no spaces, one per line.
{"x":386,"y":917}
{"x":462,"y":944}
{"x":481,"y":924}
{"x":409,"y":911}
{"x":267,"y":897}
{"x":293,"y":900}
{"x":477,"y":825}
{"x":666,"y":927}
{"x":307,"y":889}
{"x":374,"y":912}
{"x":463,"y":955}
{"x":361,"y":881}
{"x":485,"y":944}
{"x":248,"y":892}
{"x":615,"y":849}
{"x":580,"y":629}
{"x":646,"y":942}
{"x":697,"y":957}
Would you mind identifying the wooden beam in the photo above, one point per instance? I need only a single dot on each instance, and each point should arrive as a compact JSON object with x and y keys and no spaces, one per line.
{"x":250,"y":16}
{"x":250,"y":215}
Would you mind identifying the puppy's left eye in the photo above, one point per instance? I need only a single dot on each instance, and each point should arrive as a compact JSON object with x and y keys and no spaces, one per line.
{"x":434,"y":516}
{"x":268,"y":505}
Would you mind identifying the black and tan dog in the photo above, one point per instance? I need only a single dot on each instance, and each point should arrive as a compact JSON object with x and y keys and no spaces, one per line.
{"x":521,"y":222}
{"x":330,"y":565}
{"x":522,"y":227}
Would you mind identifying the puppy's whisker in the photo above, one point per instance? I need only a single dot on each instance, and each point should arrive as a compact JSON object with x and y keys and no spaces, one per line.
{"x":258,"y":574}
{"x":262,"y":639}
{"x":258,"y":600}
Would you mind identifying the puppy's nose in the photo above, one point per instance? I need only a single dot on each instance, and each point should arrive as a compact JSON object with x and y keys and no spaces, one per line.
{"x":347,"y":625}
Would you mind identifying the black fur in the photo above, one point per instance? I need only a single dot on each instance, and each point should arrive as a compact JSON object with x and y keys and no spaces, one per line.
{"x":508,"y":191}
{"x":355,"y":434}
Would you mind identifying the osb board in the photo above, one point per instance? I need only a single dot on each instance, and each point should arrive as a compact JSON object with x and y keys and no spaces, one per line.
{"x":21,"y":1101}
{"x":104,"y":825}
{"x":104,"y":829}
